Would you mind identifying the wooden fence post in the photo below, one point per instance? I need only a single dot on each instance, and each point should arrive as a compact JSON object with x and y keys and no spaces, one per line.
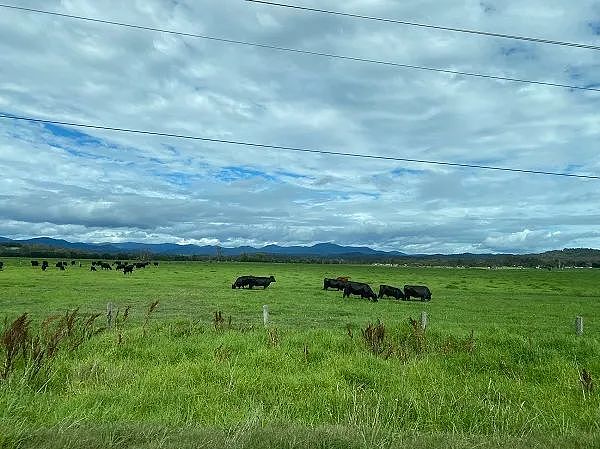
{"x":423,"y":320}
{"x":266,"y":314}
{"x":579,"y":325}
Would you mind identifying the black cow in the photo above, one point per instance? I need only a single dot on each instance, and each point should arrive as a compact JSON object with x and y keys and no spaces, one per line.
{"x":156,"y":264}
{"x":105,"y":266}
{"x":261,"y":281}
{"x":253,"y":281}
{"x":73,"y":262}
{"x":417,"y":291}
{"x":141,"y":264}
{"x":334,"y":283}
{"x":388,"y":290}
{"x":359,"y":288}
{"x":93,"y":268}
{"x":241,"y":282}
{"x":128,"y":269}
{"x":35,"y":263}
{"x":61,"y":265}
{"x":1,"y":265}
{"x":44,"y":265}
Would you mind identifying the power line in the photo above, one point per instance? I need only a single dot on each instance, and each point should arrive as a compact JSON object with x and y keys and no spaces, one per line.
{"x":295,"y":149}
{"x":436,"y":27}
{"x":304,"y":52}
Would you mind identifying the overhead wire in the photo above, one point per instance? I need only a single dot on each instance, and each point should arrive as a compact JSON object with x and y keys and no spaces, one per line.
{"x":293,"y":149}
{"x":429,"y":26}
{"x":308,"y":52}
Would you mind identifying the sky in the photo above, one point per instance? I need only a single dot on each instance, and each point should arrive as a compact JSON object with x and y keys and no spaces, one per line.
{"x":104,"y":186}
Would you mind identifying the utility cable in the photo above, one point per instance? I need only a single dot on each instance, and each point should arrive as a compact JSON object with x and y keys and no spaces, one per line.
{"x":435,"y":27}
{"x":306,"y":52}
{"x":294,"y":149}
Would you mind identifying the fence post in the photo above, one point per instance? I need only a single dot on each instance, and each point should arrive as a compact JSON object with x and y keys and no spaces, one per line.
{"x":266,"y":314}
{"x":579,"y":325}
{"x":109,"y":315}
{"x":423,"y":320}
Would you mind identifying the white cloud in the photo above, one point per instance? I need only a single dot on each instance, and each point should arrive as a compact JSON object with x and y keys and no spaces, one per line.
{"x":134,"y":187}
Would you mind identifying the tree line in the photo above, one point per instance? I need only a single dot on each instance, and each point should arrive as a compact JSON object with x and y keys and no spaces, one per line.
{"x":569,"y":257}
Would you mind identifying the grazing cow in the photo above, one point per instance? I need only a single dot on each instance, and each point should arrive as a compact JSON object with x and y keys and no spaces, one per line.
{"x":105,"y":266}
{"x":93,"y":268}
{"x":128,"y":269}
{"x":241,"y":282}
{"x":44,"y":265}
{"x":417,"y":291}
{"x":73,"y":262}
{"x":35,"y":263}
{"x":1,"y":265}
{"x":60,"y":265}
{"x":261,"y":281}
{"x":120,"y":266}
{"x":253,"y":281}
{"x":156,"y":264}
{"x":62,"y":268}
{"x":388,"y":290}
{"x":334,"y":283}
{"x":359,"y":288}
{"x":141,"y":264}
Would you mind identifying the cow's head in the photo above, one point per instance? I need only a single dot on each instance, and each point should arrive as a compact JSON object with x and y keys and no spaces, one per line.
{"x":272,"y":278}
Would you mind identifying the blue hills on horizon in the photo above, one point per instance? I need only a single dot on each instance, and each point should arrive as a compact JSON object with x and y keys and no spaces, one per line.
{"x":319,"y":249}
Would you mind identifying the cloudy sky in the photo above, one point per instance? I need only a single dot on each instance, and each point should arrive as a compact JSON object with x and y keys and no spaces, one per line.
{"x":98,"y":186}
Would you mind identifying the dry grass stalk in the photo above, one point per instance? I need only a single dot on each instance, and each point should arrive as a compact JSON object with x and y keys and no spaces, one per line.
{"x":14,"y":340}
{"x":273,"y":336}
{"x":218,"y":320}
{"x":151,"y":308}
{"x":587,"y":384}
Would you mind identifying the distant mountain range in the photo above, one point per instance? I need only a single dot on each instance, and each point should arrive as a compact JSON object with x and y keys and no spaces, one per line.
{"x":49,"y":247}
{"x":171,"y":249}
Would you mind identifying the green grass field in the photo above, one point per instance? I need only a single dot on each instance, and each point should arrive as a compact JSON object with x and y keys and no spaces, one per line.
{"x":172,"y":378}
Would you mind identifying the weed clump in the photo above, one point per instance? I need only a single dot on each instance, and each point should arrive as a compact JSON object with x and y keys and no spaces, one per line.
{"x":374,"y":335}
{"x":34,"y":352}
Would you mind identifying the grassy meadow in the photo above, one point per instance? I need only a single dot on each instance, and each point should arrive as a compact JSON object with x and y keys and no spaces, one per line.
{"x":499,"y":364}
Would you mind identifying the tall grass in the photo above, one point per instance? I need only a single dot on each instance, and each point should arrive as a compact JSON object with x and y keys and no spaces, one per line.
{"x":327,"y":371}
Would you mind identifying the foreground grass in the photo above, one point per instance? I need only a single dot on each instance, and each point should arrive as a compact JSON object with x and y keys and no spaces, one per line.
{"x":307,"y":381}
{"x":252,"y":435}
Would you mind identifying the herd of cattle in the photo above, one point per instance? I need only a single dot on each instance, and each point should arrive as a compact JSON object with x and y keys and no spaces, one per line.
{"x":341,"y":283}
{"x":126,"y":267}
{"x":349,"y":287}
{"x":365,"y":291}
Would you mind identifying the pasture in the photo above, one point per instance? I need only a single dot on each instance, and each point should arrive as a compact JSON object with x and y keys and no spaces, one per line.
{"x":499,"y":364}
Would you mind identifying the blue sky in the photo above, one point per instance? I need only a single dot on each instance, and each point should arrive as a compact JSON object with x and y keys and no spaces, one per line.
{"x":97,"y":186}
